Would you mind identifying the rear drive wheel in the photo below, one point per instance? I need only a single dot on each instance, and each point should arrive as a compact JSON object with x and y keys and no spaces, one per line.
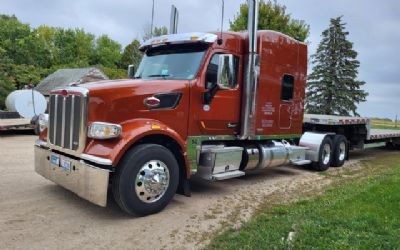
{"x":325,"y":155}
{"x":340,"y":150}
{"x":146,"y":179}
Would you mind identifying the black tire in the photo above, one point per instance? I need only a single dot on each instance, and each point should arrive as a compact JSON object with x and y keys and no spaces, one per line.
{"x":339,"y":153}
{"x":392,"y":146}
{"x":124,"y":183}
{"x":322,"y":165}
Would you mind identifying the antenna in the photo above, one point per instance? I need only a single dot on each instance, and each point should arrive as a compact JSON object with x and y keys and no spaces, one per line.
{"x":152,"y":18}
{"x":222,"y":23}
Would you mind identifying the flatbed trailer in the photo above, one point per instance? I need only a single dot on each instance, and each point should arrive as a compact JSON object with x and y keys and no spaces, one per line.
{"x":357,"y":130}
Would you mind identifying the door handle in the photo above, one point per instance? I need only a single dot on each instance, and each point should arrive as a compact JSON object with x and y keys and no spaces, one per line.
{"x":232,"y":125}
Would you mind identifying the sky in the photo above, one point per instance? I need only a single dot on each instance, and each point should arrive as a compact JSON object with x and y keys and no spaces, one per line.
{"x":374,"y":28}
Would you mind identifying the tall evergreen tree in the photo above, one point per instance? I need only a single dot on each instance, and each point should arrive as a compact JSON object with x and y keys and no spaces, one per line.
{"x":332,"y":87}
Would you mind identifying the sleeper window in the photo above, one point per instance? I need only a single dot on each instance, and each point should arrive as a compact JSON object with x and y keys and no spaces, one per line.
{"x":287,"y":88}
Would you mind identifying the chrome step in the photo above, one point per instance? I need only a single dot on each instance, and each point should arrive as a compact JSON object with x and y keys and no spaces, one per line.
{"x":300,"y":163}
{"x":227,"y":175}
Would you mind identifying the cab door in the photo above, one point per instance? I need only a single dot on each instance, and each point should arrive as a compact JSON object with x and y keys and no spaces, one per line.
{"x":221,"y":114}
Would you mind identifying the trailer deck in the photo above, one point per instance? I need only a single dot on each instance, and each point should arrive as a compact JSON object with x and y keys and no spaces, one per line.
{"x":13,"y":124}
{"x":376,"y":134}
{"x":371,"y":135}
{"x":335,"y":120}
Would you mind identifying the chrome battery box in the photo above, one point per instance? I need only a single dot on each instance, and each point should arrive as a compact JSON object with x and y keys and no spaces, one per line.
{"x":218,"y":159}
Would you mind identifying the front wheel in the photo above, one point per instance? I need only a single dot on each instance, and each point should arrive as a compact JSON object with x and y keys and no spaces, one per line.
{"x":146,"y":179}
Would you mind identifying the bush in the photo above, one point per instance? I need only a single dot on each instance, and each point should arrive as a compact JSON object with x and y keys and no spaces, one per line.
{"x":113,"y":73}
{"x":6,"y":87}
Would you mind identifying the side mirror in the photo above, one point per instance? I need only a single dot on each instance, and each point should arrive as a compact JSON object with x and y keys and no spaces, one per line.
{"x":226,"y":72}
{"x":131,"y":71}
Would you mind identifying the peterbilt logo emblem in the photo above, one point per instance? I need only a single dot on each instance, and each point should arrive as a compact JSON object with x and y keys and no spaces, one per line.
{"x":151,"y":102}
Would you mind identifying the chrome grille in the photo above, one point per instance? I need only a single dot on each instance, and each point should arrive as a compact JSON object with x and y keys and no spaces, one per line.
{"x":67,"y":121}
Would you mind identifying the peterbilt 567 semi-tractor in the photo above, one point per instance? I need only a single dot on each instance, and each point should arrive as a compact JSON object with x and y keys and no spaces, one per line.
{"x":215,"y":105}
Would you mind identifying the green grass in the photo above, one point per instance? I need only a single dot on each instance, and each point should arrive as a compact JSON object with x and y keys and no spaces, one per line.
{"x":381,"y":126}
{"x":384,"y":124}
{"x":359,"y":214}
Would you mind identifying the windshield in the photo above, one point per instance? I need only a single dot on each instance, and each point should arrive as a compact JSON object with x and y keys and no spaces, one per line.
{"x":172,"y":62}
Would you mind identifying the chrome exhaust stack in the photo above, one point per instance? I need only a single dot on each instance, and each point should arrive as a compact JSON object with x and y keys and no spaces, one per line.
{"x":251,"y":75}
{"x":173,"y":25}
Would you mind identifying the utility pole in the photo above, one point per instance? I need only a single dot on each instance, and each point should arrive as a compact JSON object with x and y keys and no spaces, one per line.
{"x":152,"y":19}
{"x":395,"y":122}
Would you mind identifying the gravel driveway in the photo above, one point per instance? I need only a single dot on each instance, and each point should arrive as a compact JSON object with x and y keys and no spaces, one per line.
{"x":37,"y":214}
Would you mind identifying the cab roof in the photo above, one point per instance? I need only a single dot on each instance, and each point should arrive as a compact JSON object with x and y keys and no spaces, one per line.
{"x":179,"y":38}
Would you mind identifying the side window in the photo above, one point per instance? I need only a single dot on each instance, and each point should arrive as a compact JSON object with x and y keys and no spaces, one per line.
{"x":212,"y":71}
{"x":287,"y":88}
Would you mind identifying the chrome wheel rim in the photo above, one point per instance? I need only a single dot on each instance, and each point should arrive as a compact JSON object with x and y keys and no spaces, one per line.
{"x":326,"y":154}
{"x":342,"y":151}
{"x":152,"y":181}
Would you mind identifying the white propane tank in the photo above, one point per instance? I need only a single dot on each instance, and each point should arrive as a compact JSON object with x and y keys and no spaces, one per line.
{"x":26,"y":102}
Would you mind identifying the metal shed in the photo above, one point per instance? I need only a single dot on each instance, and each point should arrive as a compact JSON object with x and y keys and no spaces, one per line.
{"x":67,"y":77}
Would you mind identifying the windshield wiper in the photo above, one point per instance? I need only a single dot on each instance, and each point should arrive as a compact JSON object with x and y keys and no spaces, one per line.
{"x":159,"y":75}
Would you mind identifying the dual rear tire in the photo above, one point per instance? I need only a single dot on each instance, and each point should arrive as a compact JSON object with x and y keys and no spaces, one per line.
{"x":331,"y":153}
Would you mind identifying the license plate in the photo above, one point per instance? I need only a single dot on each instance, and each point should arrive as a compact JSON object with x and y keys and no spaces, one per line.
{"x":55,"y":160}
{"x":65,"y":165}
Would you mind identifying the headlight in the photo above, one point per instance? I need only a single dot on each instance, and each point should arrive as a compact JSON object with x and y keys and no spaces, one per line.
{"x":43,"y":122}
{"x":103,"y":130}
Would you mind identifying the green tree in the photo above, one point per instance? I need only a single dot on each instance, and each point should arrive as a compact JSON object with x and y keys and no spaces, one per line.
{"x":114,"y":73}
{"x":332,"y":88}
{"x":84,"y":43}
{"x":22,"y":74}
{"x":157,"y":31}
{"x":14,"y":39}
{"x":107,"y":52}
{"x":65,"y":48}
{"x":272,"y":16}
{"x":131,"y":55}
{"x":6,"y":86}
{"x":39,"y":53}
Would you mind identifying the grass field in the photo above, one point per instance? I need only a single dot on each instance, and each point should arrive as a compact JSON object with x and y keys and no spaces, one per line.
{"x":360,"y":214}
{"x":384,"y":124}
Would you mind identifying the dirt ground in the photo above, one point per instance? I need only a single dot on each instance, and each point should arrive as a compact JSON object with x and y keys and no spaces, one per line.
{"x":37,"y":214}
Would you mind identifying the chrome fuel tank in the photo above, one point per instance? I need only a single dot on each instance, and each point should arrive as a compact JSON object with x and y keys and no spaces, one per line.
{"x":272,"y":154}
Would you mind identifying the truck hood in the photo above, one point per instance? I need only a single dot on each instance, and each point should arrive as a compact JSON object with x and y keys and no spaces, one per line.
{"x":121,"y":100}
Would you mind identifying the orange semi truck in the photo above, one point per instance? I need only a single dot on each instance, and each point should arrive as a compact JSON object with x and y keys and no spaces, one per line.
{"x":215,"y":105}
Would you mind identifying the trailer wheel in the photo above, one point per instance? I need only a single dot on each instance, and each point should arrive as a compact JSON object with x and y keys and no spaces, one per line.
{"x":340,"y":150}
{"x":325,"y":155}
{"x":392,"y":146}
{"x":146,"y":179}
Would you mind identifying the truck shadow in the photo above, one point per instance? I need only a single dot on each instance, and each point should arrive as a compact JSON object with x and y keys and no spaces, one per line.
{"x":67,"y":198}
{"x":200,"y":186}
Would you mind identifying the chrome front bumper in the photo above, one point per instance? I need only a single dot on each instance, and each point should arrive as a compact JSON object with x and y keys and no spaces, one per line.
{"x":85,"y":180}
